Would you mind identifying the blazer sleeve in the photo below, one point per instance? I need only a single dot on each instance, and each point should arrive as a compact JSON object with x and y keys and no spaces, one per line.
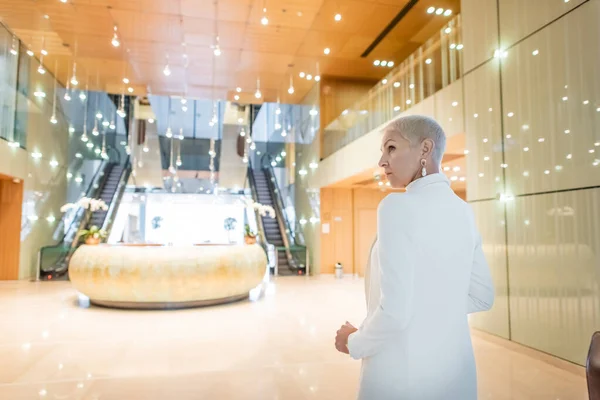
{"x":481,"y":286}
{"x":397,"y":263}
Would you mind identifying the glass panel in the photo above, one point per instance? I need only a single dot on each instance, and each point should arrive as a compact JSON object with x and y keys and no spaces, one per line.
{"x":435,"y":65}
{"x":9,"y":54}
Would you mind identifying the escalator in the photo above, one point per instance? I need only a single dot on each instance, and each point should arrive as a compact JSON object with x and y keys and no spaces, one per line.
{"x":272,"y":232}
{"x":107,"y":193}
{"x":292,"y":258}
{"x":107,"y":184}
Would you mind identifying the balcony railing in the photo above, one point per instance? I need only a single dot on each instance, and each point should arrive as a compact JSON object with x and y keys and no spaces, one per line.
{"x":429,"y":69}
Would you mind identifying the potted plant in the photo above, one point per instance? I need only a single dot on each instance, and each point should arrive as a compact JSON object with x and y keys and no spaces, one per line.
{"x":249,"y":237}
{"x":93,"y":235}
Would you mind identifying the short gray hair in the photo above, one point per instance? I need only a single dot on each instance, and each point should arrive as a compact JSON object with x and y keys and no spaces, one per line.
{"x":416,"y":128}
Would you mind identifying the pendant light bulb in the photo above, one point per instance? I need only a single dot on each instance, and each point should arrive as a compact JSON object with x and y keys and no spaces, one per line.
{"x":169,"y":133}
{"x":99,"y":115}
{"x":67,"y":96}
{"x":74,"y":81}
{"x":167,"y":70}
{"x":82,"y":96}
{"x":53,"y":120}
{"x":258,"y":94}
{"x":291,"y":89}
{"x":115,"y":40}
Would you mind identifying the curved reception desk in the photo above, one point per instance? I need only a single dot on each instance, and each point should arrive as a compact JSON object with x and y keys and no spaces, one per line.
{"x":158,"y":277}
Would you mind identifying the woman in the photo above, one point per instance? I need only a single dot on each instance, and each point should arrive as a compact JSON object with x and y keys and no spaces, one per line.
{"x":427,"y":272}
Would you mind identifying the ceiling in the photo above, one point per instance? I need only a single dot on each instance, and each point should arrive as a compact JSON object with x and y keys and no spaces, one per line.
{"x":149,"y":30}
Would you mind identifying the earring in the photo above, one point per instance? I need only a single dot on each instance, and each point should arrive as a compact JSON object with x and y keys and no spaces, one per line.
{"x":424,"y":170}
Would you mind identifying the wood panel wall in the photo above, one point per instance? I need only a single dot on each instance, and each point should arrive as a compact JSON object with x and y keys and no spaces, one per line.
{"x":11,"y":199}
{"x":352,"y":218}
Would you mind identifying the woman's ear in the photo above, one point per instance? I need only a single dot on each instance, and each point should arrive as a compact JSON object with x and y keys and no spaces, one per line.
{"x":427,"y":148}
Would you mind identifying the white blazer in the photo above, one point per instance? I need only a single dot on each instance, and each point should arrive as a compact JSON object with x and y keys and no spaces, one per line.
{"x":427,"y":272}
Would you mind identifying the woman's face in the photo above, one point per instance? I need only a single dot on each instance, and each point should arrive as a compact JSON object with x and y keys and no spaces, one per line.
{"x":400,"y":161}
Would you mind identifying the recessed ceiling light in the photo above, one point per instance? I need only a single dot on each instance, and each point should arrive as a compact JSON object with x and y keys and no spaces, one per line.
{"x":439,"y":11}
{"x":338,"y":17}
{"x":376,"y":63}
{"x":130,"y":89}
{"x":390,"y":64}
{"x":327,"y":50}
{"x":46,"y":16}
{"x":447,"y":13}
{"x":236,"y":97}
{"x":428,"y":61}
{"x":301,"y":74}
{"x":396,"y":84}
{"x":535,"y":52}
{"x":309,"y":77}
{"x":459,"y":47}
{"x":383,"y":63}
{"x":385,"y":81}
{"x":430,"y":10}
{"x":238,"y":89}
{"x":448,"y":30}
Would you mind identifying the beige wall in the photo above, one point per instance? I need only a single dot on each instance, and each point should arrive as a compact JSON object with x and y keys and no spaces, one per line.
{"x":147,"y":167}
{"x":232,"y":170}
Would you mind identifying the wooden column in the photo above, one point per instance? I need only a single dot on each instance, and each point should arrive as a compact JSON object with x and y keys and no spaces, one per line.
{"x":11,"y":200}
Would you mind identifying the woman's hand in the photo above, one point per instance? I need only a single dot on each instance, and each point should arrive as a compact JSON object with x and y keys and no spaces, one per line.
{"x":341,"y":339}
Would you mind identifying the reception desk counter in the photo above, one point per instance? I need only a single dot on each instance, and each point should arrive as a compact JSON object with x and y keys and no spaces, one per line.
{"x":155,"y":277}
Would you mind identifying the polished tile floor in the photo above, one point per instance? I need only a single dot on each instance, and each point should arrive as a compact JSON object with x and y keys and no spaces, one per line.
{"x":279,"y":347}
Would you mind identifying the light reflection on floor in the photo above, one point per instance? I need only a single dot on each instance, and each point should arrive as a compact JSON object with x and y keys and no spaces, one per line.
{"x":278,"y":346}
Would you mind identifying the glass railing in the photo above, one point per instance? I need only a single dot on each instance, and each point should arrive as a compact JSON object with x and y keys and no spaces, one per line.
{"x":433,"y":66}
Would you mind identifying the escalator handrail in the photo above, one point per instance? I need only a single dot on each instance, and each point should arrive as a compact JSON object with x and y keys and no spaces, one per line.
{"x":117,"y":196}
{"x":261,"y":227}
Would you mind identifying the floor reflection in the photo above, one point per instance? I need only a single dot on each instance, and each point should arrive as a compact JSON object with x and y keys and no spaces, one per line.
{"x":277,"y":345}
